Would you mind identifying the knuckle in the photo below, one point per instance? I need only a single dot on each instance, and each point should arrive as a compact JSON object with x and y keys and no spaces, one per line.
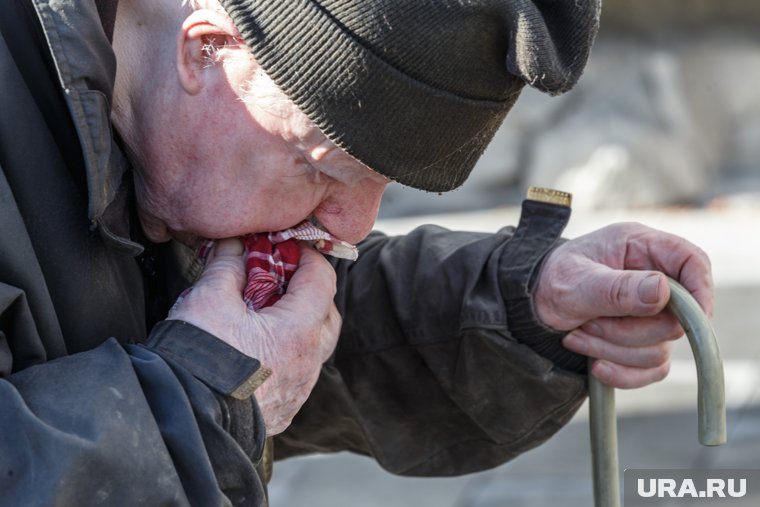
{"x":703,"y":257}
{"x":619,"y":292}
{"x":336,"y":320}
{"x":628,"y":229}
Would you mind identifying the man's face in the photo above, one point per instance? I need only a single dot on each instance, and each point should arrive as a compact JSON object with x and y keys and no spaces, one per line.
{"x":229,"y":167}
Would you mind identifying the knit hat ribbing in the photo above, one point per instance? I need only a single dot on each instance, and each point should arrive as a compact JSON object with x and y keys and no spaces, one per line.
{"x":416,"y":89}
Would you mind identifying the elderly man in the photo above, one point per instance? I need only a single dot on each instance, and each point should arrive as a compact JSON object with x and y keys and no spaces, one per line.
{"x":436,"y":353}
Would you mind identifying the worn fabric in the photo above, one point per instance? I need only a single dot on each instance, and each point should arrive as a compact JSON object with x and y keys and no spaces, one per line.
{"x":272,"y":259}
{"x":91,"y":410}
{"x":454,"y":374}
{"x":441,"y":367}
{"x":419,"y":113}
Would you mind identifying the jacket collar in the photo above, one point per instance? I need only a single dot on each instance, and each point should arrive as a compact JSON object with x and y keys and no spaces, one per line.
{"x":86,"y":67}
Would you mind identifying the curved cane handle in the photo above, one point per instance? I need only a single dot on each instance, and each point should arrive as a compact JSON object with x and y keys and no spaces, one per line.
{"x":711,"y":398}
{"x":711,"y":391}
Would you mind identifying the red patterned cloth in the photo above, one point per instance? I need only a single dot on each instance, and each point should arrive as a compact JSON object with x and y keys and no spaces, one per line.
{"x":272,"y":258}
{"x":269,"y":267}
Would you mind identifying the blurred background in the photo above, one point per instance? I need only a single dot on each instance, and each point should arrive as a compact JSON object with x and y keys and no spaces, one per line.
{"x":664,"y":129}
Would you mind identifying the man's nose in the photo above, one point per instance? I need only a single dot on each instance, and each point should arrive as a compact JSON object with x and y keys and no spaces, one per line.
{"x":349,"y":212}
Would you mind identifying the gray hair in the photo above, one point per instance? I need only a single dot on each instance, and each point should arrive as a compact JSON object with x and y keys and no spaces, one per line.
{"x":258,"y":90}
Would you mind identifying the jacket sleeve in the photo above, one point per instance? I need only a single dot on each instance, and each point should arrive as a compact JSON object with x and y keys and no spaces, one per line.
{"x":153,"y":424}
{"x":442,"y":367}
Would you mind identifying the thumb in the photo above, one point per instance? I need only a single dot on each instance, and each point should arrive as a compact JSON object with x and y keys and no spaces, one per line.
{"x":312,"y":287}
{"x":225,"y":268}
{"x":607,"y":292}
{"x":229,"y":247}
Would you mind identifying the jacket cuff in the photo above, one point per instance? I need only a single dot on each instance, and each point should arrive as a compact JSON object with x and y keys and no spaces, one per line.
{"x":537,"y":235}
{"x":224,"y":369}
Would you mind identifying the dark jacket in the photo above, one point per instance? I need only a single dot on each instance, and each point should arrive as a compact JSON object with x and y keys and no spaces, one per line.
{"x":441,"y":367}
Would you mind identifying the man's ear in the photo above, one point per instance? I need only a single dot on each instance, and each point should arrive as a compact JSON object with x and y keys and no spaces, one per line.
{"x":203,"y":32}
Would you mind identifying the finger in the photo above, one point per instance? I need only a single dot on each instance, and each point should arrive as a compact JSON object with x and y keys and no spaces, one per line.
{"x":607,"y":292}
{"x":650,"y":356}
{"x":635,"y":331}
{"x":676,"y":257}
{"x":628,"y":377}
{"x":228,"y":247}
{"x":312,"y":288}
{"x":225,"y":268}
{"x":696,"y":277}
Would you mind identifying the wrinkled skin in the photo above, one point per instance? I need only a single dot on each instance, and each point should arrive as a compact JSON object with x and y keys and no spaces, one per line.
{"x":211,"y":165}
{"x":293,"y":337}
{"x":214,"y":163}
{"x":609,"y":290}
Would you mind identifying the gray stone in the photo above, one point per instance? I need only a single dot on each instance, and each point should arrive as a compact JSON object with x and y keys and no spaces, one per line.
{"x":632,"y":139}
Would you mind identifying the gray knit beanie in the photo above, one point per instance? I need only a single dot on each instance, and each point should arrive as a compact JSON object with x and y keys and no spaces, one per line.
{"x":416,"y":89}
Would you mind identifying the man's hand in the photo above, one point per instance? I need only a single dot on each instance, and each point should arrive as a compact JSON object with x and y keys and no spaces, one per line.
{"x":293,"y":337}
{"x":609,"y":290}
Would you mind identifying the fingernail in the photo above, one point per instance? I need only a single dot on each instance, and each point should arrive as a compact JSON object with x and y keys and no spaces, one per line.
{"x":228,"y":247}
{"x":649,"y":289}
